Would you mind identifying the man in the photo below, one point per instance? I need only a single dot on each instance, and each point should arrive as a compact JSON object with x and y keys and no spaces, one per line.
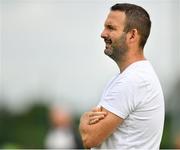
{"x":130,"y":114}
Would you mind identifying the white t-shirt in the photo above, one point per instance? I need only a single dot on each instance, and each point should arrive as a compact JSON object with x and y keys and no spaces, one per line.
{"x":136,"y":96}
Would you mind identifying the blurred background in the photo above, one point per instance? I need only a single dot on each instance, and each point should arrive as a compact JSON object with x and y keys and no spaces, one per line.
{"x":53,"y":68}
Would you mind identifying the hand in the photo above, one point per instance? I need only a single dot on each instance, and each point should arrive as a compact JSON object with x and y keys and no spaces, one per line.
{"x":96,"y":115}
{"x":86,"y":123}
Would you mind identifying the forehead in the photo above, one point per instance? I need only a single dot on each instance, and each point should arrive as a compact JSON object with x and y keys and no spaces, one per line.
{"x":116,"y":18}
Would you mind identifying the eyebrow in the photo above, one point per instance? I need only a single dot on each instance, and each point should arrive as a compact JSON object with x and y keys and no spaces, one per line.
{"x":110,"y":26}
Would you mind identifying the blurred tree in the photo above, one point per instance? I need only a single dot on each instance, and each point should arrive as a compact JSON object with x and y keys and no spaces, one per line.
{"x":24,"y":130}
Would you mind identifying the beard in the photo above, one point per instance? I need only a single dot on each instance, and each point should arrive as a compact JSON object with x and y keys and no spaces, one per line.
{"x":118,"y":49}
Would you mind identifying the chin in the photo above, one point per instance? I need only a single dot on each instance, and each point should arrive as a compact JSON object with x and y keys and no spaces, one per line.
{"x":108,"y":52}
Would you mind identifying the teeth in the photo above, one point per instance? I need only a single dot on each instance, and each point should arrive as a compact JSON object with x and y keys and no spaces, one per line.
{"x":108,"y":42}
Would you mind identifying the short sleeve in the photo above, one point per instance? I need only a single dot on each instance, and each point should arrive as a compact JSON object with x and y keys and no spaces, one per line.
{"x":119,"y":99}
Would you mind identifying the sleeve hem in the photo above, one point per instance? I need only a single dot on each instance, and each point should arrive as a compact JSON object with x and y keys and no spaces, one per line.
{"x":111,"y":109}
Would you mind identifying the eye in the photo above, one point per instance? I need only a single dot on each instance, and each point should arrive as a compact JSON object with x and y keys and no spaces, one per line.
{"x":110,"y":27}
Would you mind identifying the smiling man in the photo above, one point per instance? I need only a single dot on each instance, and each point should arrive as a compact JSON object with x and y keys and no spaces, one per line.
{"x":130,"y":114}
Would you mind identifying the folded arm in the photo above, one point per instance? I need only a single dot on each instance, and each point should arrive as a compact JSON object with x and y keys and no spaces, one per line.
{"x":94,"y":134}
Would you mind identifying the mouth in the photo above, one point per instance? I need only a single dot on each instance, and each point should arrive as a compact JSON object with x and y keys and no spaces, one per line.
{"x":108,"y":43}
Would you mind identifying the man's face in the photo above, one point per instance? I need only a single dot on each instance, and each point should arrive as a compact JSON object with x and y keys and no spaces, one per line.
{"x":114,"y":36}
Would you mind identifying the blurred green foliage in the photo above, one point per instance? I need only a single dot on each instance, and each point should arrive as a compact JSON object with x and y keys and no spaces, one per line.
{"x":167,"y":142}
{"x":24,"y":130}
{"x":28,"y":130}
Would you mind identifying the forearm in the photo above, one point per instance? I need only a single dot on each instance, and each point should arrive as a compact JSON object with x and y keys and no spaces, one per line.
{"x":89,"y":135}
{"x":94,"y":134}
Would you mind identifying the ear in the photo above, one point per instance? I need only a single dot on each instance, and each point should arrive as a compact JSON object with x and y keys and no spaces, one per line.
{"x":132,"y":36}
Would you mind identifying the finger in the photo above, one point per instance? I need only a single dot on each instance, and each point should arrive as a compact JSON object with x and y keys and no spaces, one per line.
{"x":93,"y":121}
{"x":91,"y":114}
{"x":95,"y":109}
{"x":97,"y":117}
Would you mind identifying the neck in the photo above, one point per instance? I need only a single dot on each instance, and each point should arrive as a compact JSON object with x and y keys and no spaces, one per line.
{"x":128,"y":59}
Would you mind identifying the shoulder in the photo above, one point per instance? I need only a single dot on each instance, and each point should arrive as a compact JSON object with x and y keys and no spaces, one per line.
{"x":139,"y":73}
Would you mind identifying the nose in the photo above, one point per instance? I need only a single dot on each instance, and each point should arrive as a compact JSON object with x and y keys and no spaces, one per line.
{"x":104,"y":34}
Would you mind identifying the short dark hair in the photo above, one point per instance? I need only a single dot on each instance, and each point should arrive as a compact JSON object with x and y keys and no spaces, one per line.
{"x":136,"y":18}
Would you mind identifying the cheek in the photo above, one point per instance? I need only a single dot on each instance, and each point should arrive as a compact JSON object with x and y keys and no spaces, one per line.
{"x":115,"y":37}
{"x":115,"y":40}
